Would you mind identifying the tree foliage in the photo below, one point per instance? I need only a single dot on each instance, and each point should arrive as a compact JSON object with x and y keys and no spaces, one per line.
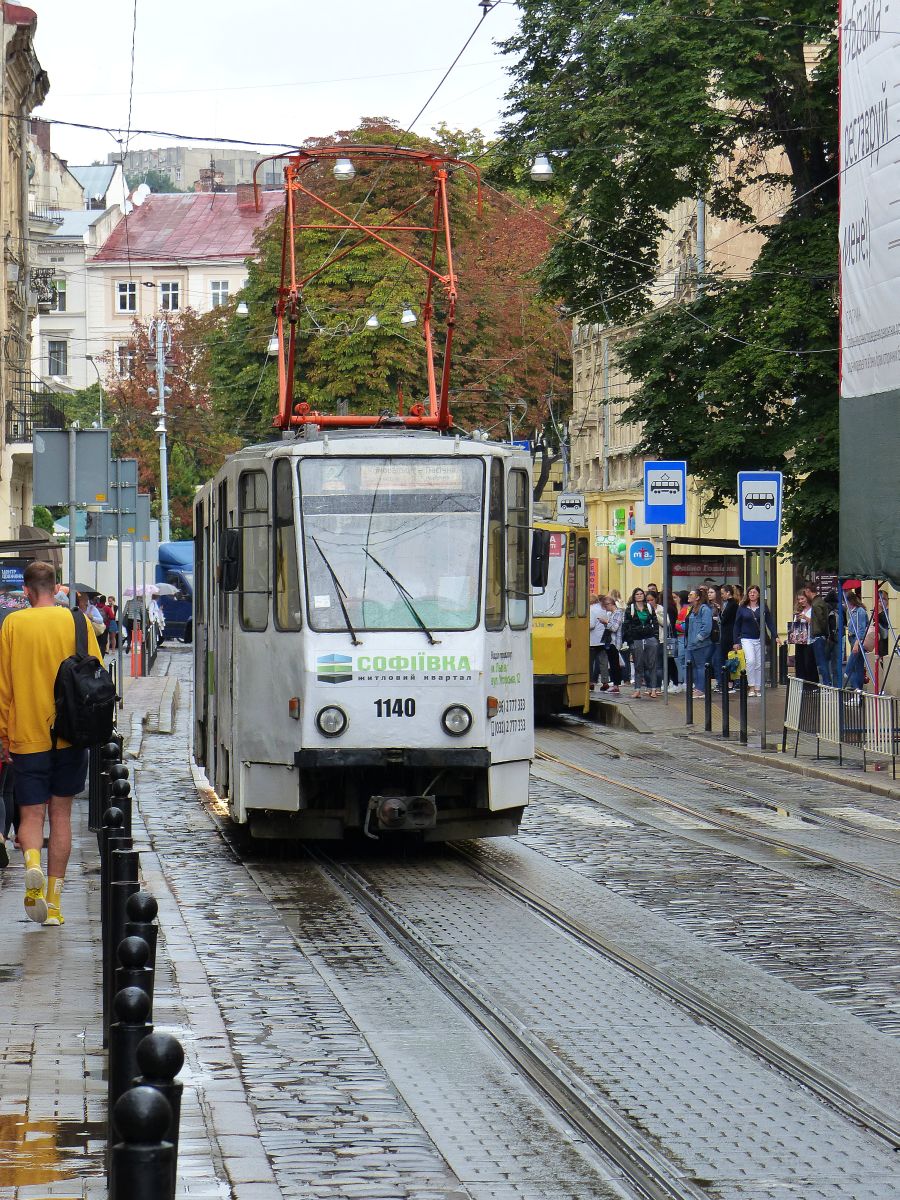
{"x":197,"y":440}
{"x":511,"y":346}
{"x":663,"y":103}
{"x":156,"y":181}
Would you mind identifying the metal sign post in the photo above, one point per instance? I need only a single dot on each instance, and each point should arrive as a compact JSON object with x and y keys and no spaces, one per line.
{"x":759,"y":528}
{"x":665,"y":504}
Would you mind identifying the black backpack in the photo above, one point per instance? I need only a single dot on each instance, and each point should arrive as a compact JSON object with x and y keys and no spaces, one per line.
{"x":85,"y":695}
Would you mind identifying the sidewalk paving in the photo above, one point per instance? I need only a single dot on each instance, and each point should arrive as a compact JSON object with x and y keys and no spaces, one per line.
{"x":52,"y":1066}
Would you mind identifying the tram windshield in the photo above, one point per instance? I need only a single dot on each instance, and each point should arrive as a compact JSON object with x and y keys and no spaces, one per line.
{"x":392,"y":543}
{"x":549,"y":603}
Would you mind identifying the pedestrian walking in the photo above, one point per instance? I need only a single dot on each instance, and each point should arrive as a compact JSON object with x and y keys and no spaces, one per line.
{"x":612,"y":642}
{"x":818,"y":630}
{"x":799,"y":636}
{"x":747,"y":633}
{"x":681,"y":617}
{"x":641,"y":632}
{"x":857,"y":623}
{"x":699,"y":641}
{"x":599,"y":661}
{"x":33,"y":644}
{"x":730,"y":601}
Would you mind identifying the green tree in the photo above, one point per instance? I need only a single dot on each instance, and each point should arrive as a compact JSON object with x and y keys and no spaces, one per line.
{"x":668,"y":102}
{"x":42,"y":518}
{"x":511,"y":345}
{"x":156,"y":181}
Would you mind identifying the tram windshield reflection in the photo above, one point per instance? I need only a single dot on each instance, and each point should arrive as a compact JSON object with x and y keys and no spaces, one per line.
{"x":549,"y":602}
{"x":420,"y":516}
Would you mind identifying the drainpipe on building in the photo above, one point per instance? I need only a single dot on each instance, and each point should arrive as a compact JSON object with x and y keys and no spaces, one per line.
{"x":23,"y":189}
{"x":605,"y":459}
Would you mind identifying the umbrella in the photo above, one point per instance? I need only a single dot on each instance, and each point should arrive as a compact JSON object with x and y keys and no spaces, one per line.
{"x":87,"y":589}
{"x":166,"y":589}
{"x":149,"y":590}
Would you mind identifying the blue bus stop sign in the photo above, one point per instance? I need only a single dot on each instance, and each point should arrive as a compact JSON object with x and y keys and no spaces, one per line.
{"x":665,"y":493}
{"x":642,"y":554}
{"x":759,"y":509}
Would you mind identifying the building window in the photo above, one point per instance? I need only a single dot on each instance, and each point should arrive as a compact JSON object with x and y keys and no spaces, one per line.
{"x":125,"y":355}
{"x":59,"y":298}
{"x":57,"y":358}
{"x":169,"y":296}
{"x":218,"y":292}
{"x":126,"y":297}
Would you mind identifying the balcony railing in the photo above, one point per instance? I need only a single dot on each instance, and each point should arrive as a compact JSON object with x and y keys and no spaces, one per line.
{"x":33,"y":405}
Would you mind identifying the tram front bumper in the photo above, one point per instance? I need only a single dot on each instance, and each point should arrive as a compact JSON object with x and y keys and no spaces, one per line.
{"x":323,"y":757}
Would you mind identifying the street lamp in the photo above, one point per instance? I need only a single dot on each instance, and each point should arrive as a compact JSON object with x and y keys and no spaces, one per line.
{"x":90,"y":358}
{"x":541,"y":169}
{"x":161,"y":342}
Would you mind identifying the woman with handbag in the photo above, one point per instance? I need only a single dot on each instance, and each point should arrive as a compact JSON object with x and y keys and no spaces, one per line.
{"x":746,"y":636}
{"x":729,"y":612}
{"x":641,"y":632}
{"x":799,"y":637}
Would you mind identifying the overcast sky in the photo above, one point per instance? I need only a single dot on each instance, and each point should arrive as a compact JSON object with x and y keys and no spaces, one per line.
{"x":265,"y":71}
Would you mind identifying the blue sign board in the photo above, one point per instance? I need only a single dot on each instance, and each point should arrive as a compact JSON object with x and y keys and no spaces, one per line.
{"x":12,"y":573}
{"x":665,"y":493}
{"x":522,"y":444}
{"x":642,"y":554}
{"x":759,"y":509}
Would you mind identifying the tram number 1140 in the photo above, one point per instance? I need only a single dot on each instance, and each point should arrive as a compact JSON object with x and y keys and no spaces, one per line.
{"x":395,"y":708}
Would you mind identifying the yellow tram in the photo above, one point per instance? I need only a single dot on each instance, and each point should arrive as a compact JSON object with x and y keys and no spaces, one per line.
{"x":560,"y":624}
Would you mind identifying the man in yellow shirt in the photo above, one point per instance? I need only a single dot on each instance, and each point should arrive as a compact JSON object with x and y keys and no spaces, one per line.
{"x":33,"y":643}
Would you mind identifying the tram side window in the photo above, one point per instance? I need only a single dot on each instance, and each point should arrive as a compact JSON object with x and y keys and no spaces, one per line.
{"x":570,"y":578}
{"x":221,"y":514}
{"x":494,"y":592}
{"x":285,"y":580}
{"x":581,"y":578}
{"x":253,"y":515}
{"x":199,"y":564}
{"x":518,"y":537}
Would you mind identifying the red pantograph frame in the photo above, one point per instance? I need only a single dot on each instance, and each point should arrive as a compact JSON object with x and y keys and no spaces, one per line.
{"x":287,"y":306}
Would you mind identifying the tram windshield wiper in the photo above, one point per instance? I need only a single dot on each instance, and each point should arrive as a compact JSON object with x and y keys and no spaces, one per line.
{"x":404,"y":595}
{"x":339,"y":592}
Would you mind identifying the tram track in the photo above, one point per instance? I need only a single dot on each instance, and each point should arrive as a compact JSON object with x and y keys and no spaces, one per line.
{"x":699,"y":1005}
{"x":648,"y":1171}
{"x":773,"y":803}
{"x":782,"y":844}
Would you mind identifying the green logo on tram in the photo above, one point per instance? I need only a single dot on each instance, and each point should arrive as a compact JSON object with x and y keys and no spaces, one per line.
{"x":334,"y":668}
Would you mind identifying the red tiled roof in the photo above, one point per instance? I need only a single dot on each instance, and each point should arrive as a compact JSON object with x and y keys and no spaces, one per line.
{"x":18,"y":14}
{"x":195,"y":226}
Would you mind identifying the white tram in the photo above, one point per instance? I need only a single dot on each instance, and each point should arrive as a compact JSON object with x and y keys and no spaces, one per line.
{"x":363,"y":645}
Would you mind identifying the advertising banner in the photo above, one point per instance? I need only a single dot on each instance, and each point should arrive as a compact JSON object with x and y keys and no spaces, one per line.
{"x":870,"y":290}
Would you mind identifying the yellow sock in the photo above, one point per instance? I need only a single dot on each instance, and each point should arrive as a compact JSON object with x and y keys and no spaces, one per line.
{"x":54,"y":890}
{"x":32,"y":859}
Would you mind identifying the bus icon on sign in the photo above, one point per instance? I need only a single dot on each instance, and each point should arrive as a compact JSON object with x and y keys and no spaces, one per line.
{"x":759,"y":500}
{"x":662,"y":485}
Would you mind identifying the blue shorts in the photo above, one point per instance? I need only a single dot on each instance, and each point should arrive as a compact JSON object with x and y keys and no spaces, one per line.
{"x":49,"y":773}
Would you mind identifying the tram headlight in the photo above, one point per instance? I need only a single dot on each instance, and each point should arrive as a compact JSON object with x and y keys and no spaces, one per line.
{"x":456,"y":720}
{"x":331,"y":721}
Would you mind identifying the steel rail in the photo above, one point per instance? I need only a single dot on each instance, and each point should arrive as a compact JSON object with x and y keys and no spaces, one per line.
{"x":654,"y":1176}
{"x":771,"y":802}
{"x":835,"y":1093}
{"x":831,"y":860}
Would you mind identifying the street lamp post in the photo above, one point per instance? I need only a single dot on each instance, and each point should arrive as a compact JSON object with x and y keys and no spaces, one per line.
{"x":161,"y":342}
{"x":90,"y":358}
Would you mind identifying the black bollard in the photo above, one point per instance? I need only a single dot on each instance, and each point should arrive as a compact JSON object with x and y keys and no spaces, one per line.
{"x":140,"y":911}
{"x":141,"y":1163}
{"x":130,"y":1009}
{"x":742,"y":708}
{"x":123,"y":882}
{"x":726,"y":714}
{"x":133,"y":971}
{"x":120,"y":795}
{"x":110,"y":838}
{"x":160,"y":1057}
{"x":689,"y":694}
{"x":707,"y":698}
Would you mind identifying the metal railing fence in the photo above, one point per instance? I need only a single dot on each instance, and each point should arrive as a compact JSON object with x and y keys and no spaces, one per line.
{"x":842,"y":717}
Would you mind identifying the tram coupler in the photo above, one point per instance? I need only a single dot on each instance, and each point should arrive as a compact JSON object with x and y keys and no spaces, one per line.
{"x":403,"y":812}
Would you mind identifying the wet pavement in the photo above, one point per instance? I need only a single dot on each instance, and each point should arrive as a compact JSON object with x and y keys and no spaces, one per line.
{"x":324,"y":1062}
